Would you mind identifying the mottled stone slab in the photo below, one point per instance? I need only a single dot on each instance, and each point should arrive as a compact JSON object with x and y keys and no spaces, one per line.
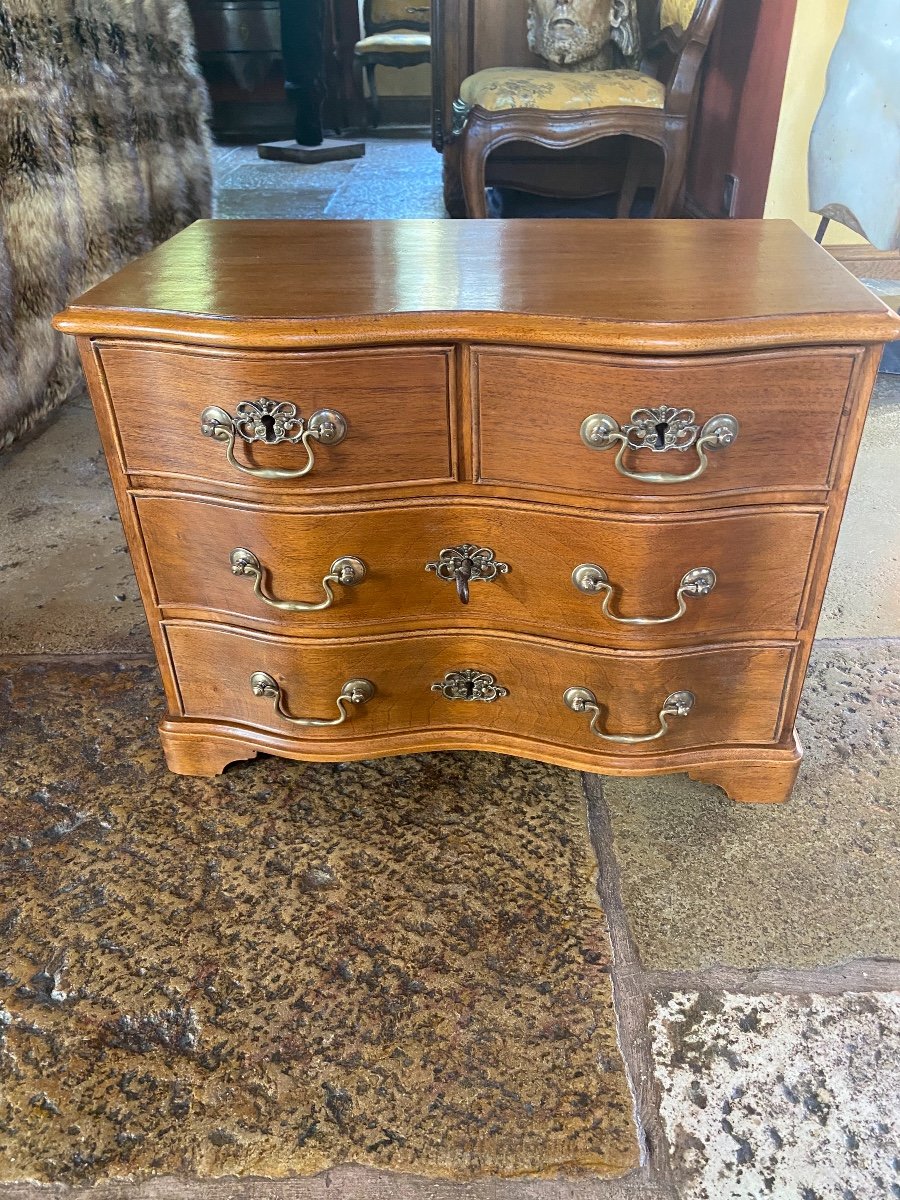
{"x":809,"y":883}
{"x":66,"y":582}
{"x":793,"y":1097}
{"x":348,"y":1183}
{"x":395,"y":180}
{"x":399,"y":963}
{"x":863,"y":594}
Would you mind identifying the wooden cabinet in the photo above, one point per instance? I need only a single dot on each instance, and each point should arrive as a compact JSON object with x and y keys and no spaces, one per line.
{"x":240,"y":53}
{"x":512,"y":529}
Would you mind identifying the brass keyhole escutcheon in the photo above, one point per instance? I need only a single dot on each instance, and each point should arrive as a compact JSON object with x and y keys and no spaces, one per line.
{"x":467,"y":564}
{"x":660,"y":430}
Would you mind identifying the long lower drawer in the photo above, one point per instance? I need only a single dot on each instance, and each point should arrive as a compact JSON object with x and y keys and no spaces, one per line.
{"x":468,"y":681}
{"x":756,"y":563}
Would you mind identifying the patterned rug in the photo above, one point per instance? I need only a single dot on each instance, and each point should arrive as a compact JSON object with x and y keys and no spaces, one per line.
{"x":398,"y":963}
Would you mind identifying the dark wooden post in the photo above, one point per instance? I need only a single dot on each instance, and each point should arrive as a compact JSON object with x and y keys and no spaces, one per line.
{"x":303,"y":48}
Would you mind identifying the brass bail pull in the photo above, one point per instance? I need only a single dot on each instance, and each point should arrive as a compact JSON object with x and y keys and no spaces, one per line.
{"x":354,"y":691}
{"x":346,"y":571}
{"x":660,"y":430}
{"x":583,"y":700}
{"x":594,"y":581}
{"x":272,"y":423}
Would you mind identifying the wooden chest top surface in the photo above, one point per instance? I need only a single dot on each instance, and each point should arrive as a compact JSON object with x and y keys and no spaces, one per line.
{"x":628,"y":286}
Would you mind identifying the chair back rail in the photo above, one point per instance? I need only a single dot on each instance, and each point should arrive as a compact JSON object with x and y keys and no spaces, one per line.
{"x":382,"y":16}
{"x":676,"y":56}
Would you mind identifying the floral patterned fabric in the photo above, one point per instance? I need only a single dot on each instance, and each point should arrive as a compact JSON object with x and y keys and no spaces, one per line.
{"x":394,"y":43}
{"x":407,"y":11}
{"x":676,"y":12}
{"x":560,"y":91}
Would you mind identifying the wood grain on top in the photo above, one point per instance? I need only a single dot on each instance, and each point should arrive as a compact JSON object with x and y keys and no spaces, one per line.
{"x":633,"y":286}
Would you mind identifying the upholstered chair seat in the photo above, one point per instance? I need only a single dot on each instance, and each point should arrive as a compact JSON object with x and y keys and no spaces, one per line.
{"x":395,"y":42}
{"x":500,"y":88}
{"x":650,"y":111}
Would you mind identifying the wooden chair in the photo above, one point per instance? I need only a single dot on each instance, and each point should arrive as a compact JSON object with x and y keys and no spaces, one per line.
{"x":562,"y":110}
{"x":396,"y":34}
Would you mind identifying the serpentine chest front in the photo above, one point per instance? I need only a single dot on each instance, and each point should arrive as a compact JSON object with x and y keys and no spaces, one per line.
{"x":562,"y":489}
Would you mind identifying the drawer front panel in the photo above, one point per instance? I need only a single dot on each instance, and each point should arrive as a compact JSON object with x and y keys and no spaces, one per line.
{"x":395,"y":404}
{"x":531,"y":406}
{"x":760,"y":561}
{"x":737,"y":691}
{"x":237,"y":27}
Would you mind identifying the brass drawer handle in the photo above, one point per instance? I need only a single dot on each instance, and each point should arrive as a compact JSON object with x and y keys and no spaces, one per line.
{"x":660,"y":430}
{"x":346,"y":571}
{"x":272,"y":422}
{"x":354,"y":691}
{"x":467,"y":564}
{"x":582,"y":700}
{"x":593,"y":580}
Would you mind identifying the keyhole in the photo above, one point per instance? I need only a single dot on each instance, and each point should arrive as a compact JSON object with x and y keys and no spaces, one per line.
{"x":661,"y":430}
{"x":268,"y":424}
{"x":463,"y":575}
{"x":470,"y":689}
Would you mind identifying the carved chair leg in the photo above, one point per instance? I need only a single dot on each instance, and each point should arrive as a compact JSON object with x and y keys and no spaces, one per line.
{"x":374,"y":108}
{"x":473,"y":151}
{"x":360,"y":87}
{"x":674,"y":168}
{"x":454,"y":200}
{"x":632,"y":180}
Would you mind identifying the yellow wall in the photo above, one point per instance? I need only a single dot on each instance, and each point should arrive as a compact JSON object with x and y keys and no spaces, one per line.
{"x":816,"y":30}
{"x":404,"y":81}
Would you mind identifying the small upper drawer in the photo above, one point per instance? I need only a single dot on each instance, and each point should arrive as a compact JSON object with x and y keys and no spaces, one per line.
{"x":650,"y":420}
{"x":243,"y":419}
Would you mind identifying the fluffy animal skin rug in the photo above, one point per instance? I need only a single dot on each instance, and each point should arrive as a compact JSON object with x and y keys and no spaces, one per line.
{"x":104,"y":152}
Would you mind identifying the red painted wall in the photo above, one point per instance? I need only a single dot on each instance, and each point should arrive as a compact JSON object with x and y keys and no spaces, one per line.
{"x":737,"y":119}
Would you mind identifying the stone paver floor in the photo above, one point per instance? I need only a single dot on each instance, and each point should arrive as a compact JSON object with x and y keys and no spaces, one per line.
{"x":754,"y":951}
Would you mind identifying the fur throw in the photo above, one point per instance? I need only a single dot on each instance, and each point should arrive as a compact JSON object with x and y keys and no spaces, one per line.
{"x":104,"y":152}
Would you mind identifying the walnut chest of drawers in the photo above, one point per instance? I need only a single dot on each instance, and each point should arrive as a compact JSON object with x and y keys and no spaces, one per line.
{"x":562,"y":489}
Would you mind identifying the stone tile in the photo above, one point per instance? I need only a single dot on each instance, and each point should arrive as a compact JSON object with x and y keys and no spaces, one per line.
{"x":793,"y":1097}
{"x":395,"y":180}
{"x":66,"y":583}
{"x":268,"y":175}
{"x":228,"y":159}
{"x":259,"y":188}
{"x":347,"y":1183}
{"x":863,"y":595}
{"x":281,"y":204}
{"x":400,"y":963}
{"x":706,"y":881}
